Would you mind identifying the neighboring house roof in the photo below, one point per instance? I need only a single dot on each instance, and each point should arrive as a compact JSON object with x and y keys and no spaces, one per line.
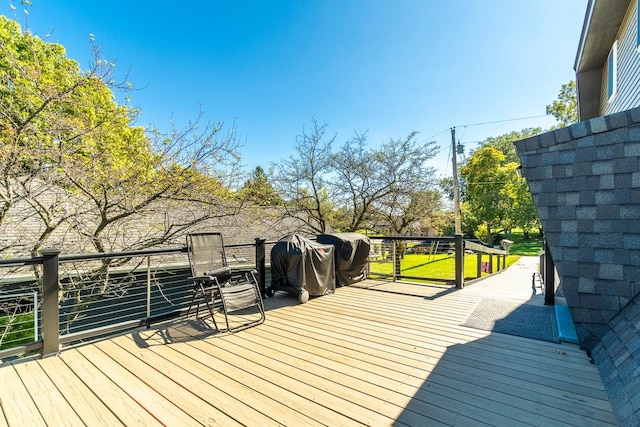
{"x":22,"y":226}
{"x":601,"y":25}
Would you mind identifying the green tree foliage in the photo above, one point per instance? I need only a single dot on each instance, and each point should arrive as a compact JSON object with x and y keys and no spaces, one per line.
{"x":495,"y":199}
{"x":523,"y":214}
{"x":485,"y":178}
{"x":73,"y":158}
{"x":505,"y":143}
{"x":259,"y":190}
{"x":565,"y":107}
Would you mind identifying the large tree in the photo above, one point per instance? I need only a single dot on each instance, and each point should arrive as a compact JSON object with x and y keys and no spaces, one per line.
{"x":484,"y":180}
{"x":258,"y":190}
{"x":77,"y":173}
{"x":506,"y":143}
{"x":414,"y":212}
{"x":356,"y":187}
{"x":495,"y":199}
{"x":389,"y":185}
{"x":73,"y":161}
{"x":303,"y":179}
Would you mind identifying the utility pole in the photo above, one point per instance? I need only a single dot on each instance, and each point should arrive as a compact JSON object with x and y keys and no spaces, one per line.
{"x":456,"y":185}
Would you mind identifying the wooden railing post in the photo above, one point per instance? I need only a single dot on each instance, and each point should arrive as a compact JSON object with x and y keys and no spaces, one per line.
{"x":479,"y":266}
{"x":261,"y":265}
{"x":50,"y":310}
{"x":459,"y":260}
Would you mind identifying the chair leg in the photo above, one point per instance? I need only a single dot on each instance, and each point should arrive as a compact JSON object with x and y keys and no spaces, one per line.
{"x":200,"y":292}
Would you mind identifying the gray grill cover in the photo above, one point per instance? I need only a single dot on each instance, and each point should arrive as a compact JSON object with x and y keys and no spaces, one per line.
{"x":298,"y":263}
{"x":352,"y":252}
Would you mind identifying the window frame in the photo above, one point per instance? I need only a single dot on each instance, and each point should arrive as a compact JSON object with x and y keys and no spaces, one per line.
{"x":612,"y":71}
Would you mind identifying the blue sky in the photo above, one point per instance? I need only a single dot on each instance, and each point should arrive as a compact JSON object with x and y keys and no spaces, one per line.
{"x":387,"y":67}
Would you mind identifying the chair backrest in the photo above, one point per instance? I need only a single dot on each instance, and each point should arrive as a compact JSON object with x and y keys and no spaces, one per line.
{"x":206,"y":253}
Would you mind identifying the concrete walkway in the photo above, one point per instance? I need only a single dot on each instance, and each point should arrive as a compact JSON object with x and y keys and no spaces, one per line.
{"x":514,"y":283}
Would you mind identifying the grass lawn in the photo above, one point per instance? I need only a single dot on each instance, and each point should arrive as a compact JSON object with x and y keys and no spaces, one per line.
{"x":442,"y":266}
{"x":16,"y":331}
{"x":439,"y":266}
{"x":525,"y":247}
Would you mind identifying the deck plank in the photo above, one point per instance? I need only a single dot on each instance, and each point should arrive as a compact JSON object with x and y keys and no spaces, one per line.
{"x":384,"y":365}
{"x":164,"y":410}
{"x":325,"y":407}
{"x":88,"y":407}
{"x":171,"y":386}
{"x":387,"y":346}
{"x":16,"y":402}
{"x":393,"y":354}
{"x":53,"y":407}
{"x":220,"y":390}
{"x":130,"y":412}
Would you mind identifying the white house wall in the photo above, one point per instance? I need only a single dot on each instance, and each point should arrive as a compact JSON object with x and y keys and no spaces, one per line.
{"x":628,"y":91}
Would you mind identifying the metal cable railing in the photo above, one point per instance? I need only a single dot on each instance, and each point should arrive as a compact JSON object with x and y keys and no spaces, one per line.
{"x":69,"y":298}
{"x":52,"y":300}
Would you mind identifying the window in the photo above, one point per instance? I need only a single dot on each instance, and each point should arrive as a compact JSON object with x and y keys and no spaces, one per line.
{"x":612,"y":71}
{"x":638,"y":23}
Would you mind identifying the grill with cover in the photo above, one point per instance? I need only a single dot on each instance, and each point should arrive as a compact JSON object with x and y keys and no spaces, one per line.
{"x":302,"y":267}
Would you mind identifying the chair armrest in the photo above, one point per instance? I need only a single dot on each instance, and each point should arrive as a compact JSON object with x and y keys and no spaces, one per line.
{"x":218,"y":272}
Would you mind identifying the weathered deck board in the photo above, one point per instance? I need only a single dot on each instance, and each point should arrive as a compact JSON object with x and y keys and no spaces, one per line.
{"x":357,"y":357}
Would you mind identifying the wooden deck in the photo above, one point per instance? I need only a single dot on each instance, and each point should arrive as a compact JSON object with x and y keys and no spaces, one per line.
{"x":359,"y":356}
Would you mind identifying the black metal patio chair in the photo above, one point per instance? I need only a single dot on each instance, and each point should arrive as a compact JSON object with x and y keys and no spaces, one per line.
{"x":214,"y":285}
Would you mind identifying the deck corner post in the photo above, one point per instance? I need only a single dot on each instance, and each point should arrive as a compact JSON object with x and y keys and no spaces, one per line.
{"x":261,"y":265}
{"x":50,"y":306}
{"x":459,"y":260}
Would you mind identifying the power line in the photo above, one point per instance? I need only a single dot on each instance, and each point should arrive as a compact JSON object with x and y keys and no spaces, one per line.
{"x":485,"y":123}
{"x":502,"y":121}
{"x":439,"y":133}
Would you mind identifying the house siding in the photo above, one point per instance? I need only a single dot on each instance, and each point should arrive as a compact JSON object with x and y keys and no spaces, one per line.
{"x":628,"y":88}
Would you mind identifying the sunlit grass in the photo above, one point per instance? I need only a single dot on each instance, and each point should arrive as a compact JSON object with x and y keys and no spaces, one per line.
{"x":525,"y":247}
{"x":16,"y":330}
{"x":437,"y":266}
